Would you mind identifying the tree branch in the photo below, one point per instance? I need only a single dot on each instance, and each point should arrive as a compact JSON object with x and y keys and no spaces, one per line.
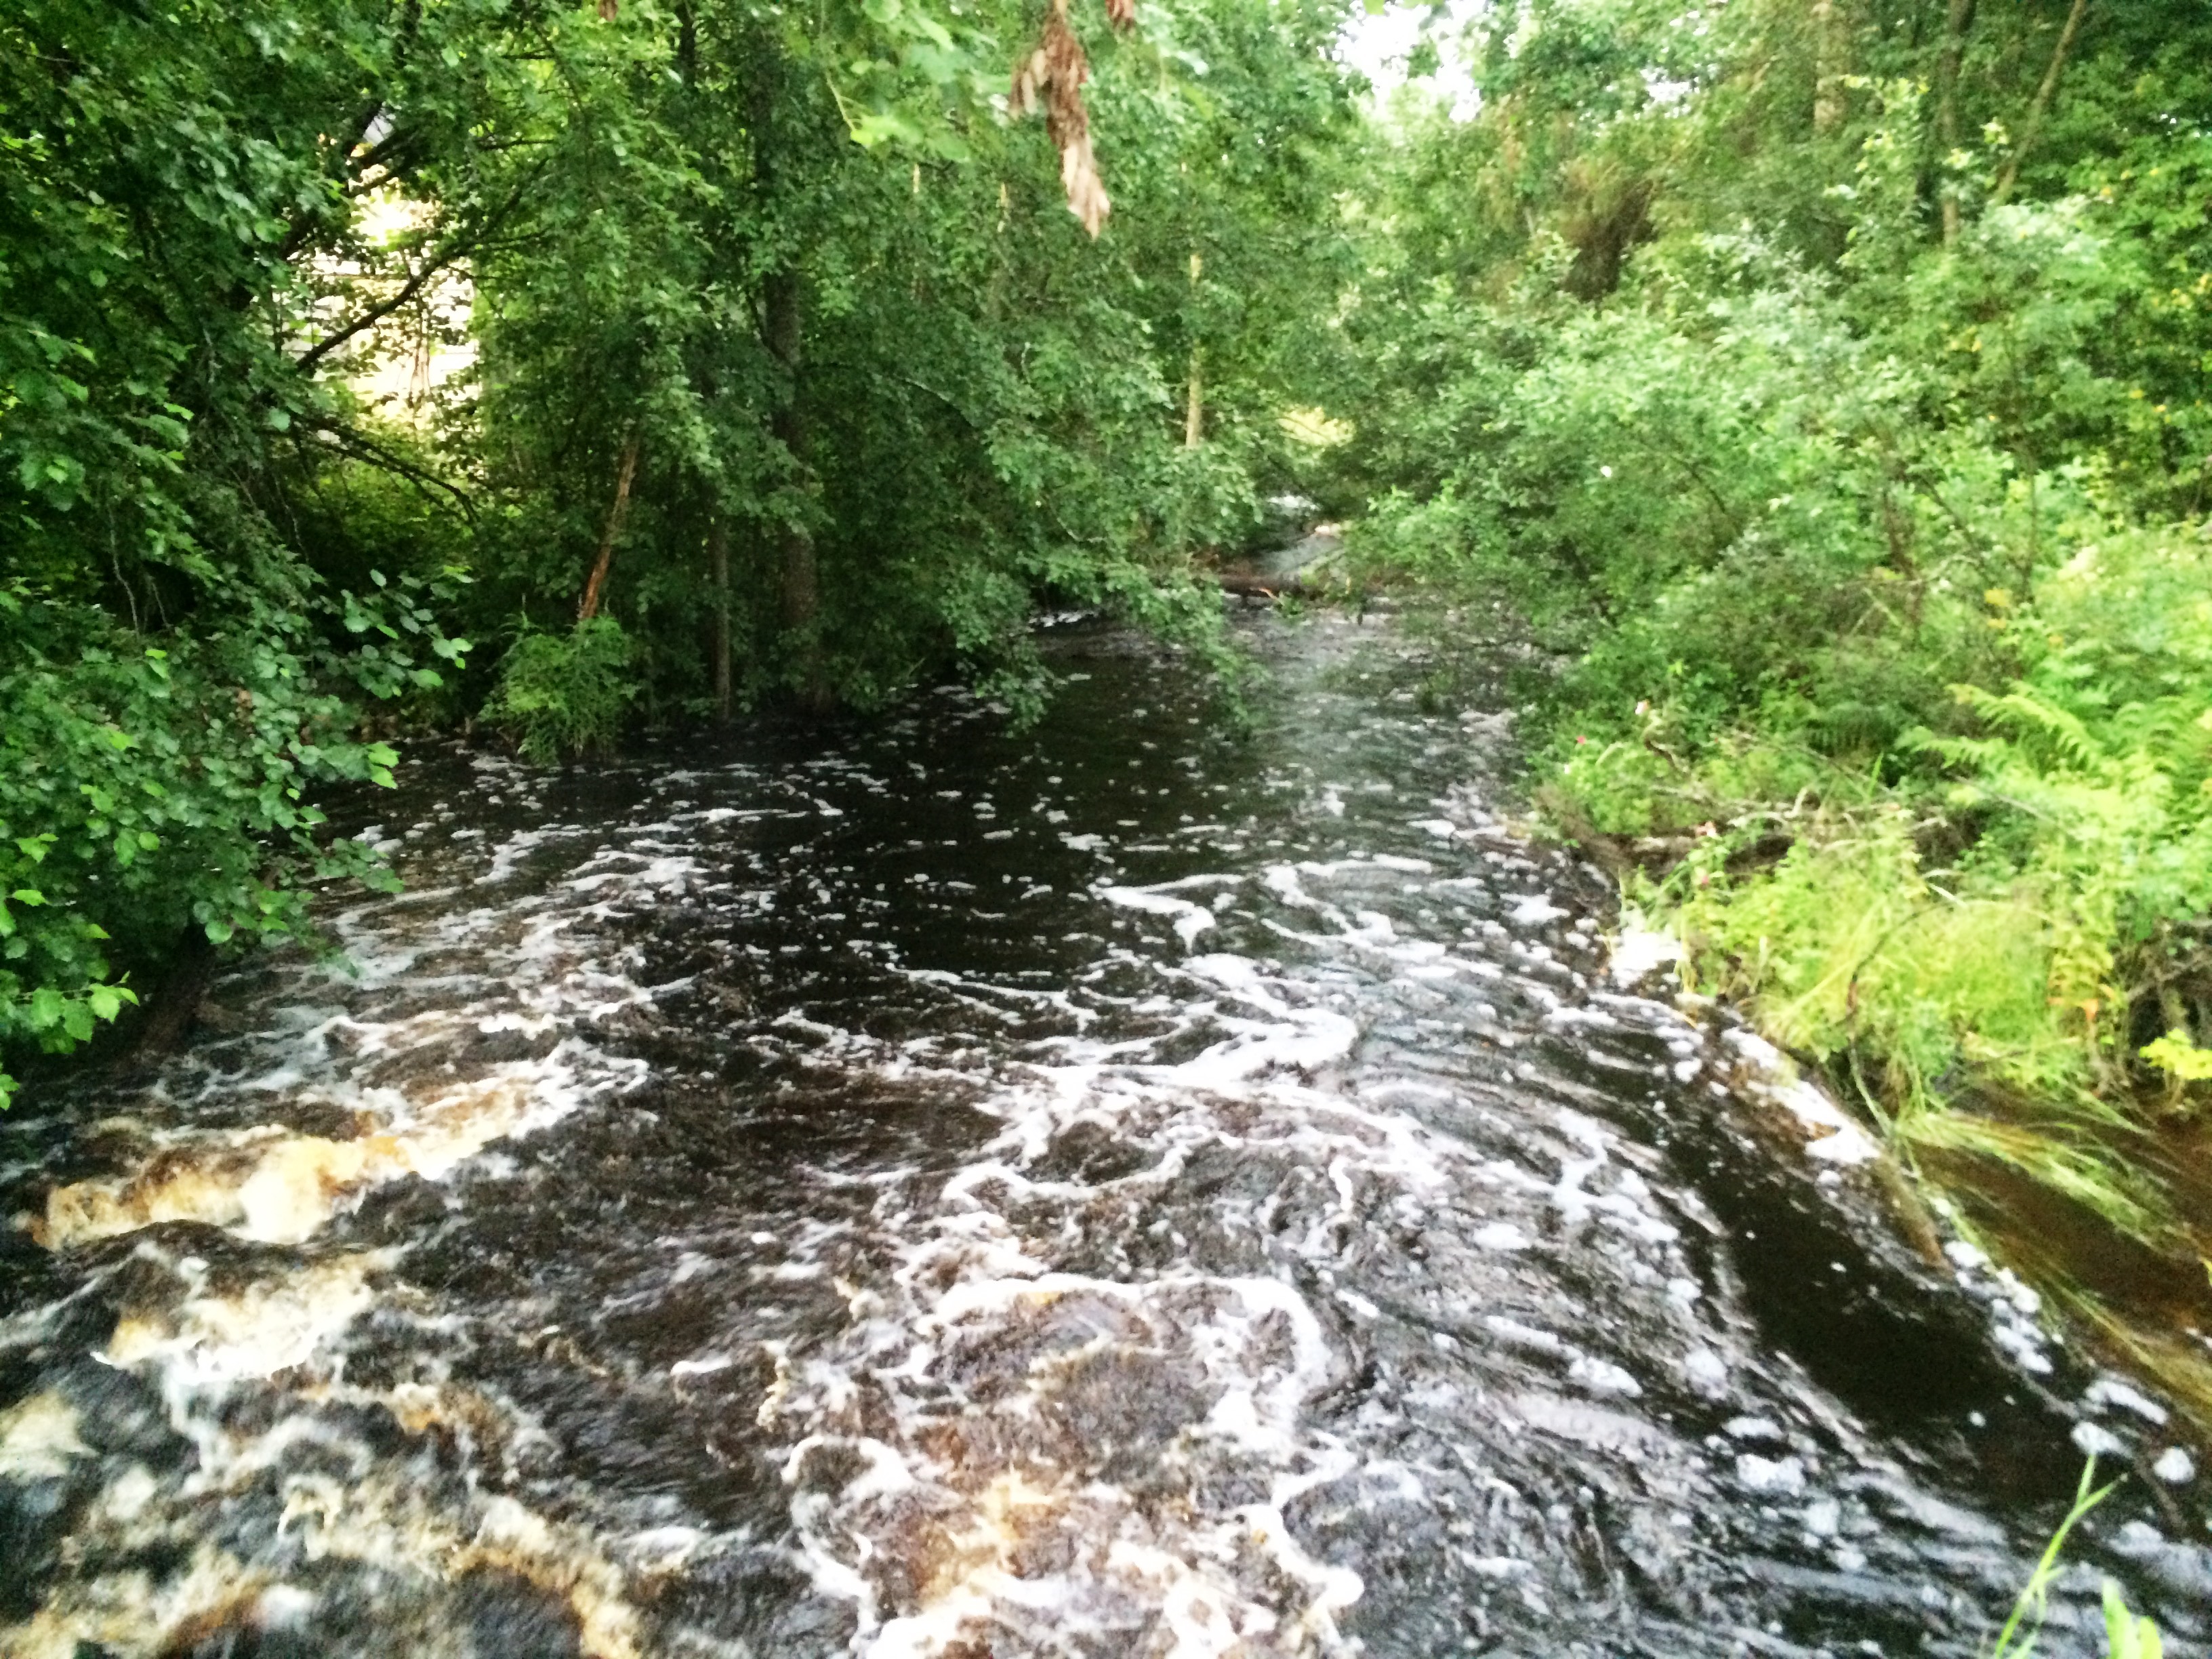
{"x":598,"y":581}
{"x":2031,"y":128}
{"x":475,"y":238}
{"x":361,"y":449}
{"x":389,"y":152}
{"x":376,"y":314}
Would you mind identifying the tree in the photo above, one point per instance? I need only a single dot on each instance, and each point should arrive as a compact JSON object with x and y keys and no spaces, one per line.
{"x":798,"y":370}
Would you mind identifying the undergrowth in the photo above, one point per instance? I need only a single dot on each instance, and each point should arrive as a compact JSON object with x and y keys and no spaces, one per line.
{"x":562,"y":696}
{"x":1988,"y":933}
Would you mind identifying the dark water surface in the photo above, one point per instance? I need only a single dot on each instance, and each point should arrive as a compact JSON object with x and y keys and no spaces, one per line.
{"x":918,"y":1189}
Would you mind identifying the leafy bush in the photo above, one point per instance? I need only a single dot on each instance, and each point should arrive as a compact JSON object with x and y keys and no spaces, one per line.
{"x":1921,"y":734}
{"x":562,"y":696}
{"x":146,"y":788}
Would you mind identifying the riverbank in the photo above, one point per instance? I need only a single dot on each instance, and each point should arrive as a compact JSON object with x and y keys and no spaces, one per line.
{"x":1856,"y":493}
{"x":1996,"y":961}
{"x":1798,"y":912}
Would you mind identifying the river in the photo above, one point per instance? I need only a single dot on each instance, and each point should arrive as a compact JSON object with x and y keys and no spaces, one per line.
{"x":914,"y":1187}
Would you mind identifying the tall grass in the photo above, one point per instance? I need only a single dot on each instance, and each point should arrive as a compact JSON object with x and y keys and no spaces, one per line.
{"x":560,"y":695}
{"x":2126,"y":1635}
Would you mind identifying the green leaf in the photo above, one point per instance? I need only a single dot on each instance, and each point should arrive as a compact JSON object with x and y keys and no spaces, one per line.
{"x":2128,"y":1637}
{"x":2179,"y":1057}
{"x":883,"y":127}
{"x":943,"y":141}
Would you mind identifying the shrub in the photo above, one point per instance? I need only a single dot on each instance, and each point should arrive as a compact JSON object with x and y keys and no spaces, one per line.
{"x":564,"y":695}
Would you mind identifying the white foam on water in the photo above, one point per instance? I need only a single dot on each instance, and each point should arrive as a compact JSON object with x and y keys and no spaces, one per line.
{"x":1535,"y":910}
{"x":1765,"y":1072}
{"x":38,"y":1439}
{"x":276,"y":1339}
{"x":2111,"y":1391}
{"x":211,"y":1340}
{"x":1034,"y":1417}
{"x":973,"y":1294}
{"x":1189,"y":919}
{"x":376,"y":1043}
{"x":961,"y":1513}
{"x":533,"y":968}
{"x":1639,"y":951}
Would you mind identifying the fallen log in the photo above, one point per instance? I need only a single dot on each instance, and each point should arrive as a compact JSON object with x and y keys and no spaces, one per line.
{"x":1250,"y":585}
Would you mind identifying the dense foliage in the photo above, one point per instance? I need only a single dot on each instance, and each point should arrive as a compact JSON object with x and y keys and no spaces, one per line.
{"x":682,"y":355}
{"x":178,"y":677}
{"x":1828,"y":386}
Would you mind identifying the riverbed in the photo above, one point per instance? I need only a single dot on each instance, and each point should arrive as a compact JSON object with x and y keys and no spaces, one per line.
{"x":1138,"y":1186}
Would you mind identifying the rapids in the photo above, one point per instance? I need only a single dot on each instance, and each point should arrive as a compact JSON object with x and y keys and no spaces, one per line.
{"x":923,"y":1189}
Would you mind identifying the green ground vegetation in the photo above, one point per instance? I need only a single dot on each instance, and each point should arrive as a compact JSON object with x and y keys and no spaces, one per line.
{"x":1827,"y":385}
{"x":2127,"y":1635}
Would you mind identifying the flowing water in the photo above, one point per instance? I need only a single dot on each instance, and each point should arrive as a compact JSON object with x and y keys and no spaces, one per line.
{"x":1121,"y":1188}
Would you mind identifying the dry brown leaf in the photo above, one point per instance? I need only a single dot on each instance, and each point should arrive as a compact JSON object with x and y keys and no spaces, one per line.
{"x":1051,"y":79}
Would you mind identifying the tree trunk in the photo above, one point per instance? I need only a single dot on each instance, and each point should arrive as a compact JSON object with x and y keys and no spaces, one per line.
{"x":783,"y":333}
{"x":718,"y":556}
{"x":170,"y":1013}
{"x":2032,"y":127}
{"x":1830,"y":64}
{"x":1194,"y":416}
{"x":802,"y":596}
{"x":589,"y":608}
{"x":1956,"y":25}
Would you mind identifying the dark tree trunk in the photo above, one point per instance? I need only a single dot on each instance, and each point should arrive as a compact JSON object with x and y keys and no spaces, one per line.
{"x":718,"y":556}
{"x":802,"y":594}
{"x":174,"y":1006}
{"x":783,"y":326}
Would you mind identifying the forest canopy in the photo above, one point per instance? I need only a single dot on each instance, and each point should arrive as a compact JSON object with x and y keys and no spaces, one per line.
{"x":574,"y":364}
